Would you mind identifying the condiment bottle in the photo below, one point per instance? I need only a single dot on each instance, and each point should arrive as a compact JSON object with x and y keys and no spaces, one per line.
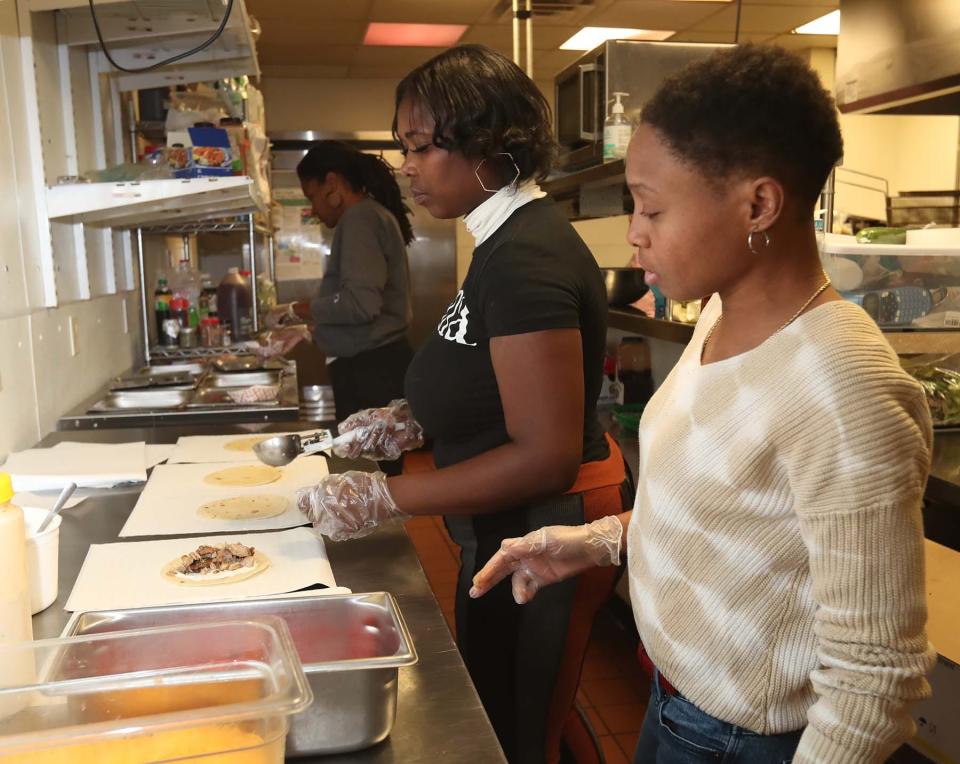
{"x":15,"y":623}
{"x":179,"y":311}
{"x":210,"y":335}
{"x":633,"y":369}
{"x":162,"y":297}
{"x":233,"y":302}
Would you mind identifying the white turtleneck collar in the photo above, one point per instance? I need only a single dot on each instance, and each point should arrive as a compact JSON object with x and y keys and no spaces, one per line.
{"x":486,"y":218}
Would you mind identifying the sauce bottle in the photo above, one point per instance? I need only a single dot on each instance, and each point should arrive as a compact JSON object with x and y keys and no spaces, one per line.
{"x":233,"y":303}
{"x":15,"y":623}
{"x":162,"y":297}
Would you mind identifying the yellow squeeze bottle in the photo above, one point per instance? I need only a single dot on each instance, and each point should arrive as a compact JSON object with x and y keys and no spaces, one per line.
{"x":15,"y":623}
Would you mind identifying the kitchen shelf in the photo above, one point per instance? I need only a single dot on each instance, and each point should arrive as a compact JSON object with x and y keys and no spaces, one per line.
{"x":635,"y":322}
{"x":238,"y":224}
{"x":141,"y":204}
{"x":568,"y":185}
{"x":141,"y":32}
{"x":595,"y":192}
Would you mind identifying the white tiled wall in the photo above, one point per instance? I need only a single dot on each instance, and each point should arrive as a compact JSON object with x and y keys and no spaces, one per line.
{"x":39,"y":377}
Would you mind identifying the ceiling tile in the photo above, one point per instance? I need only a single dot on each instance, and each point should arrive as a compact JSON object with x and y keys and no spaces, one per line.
{"x":573,"y":16}
{"x":774,"y":19}
{"x":309,"y":71}
{"x":429,"y":11}
{"x":720,"y":37}
{"x":336,"y":33}
{"x":401,"y":59}
{"x":301,"y":11}
{"x":653,"y":14}
{"x":299,"y":53}
{"x":801,"y":3}
{"x":494,"y":35}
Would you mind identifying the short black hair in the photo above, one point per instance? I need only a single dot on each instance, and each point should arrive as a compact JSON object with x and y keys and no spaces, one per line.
{"x":365,"y":173}
{"x":483,"y":104}
{"x":750,"y":108}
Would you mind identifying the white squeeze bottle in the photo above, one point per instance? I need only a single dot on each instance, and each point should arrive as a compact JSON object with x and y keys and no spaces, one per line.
{"x":616,"y":131}
{"x":15,"y":623}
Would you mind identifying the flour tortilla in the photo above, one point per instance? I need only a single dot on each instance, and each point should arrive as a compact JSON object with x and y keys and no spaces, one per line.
{"x":246,"y":444}
{"x":260,"y":563}
{"x":245,"y":476}
{"x":244,"y":507}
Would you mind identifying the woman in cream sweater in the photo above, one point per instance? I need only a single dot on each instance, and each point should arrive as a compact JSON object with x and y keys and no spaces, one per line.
{"x":775,"y":548}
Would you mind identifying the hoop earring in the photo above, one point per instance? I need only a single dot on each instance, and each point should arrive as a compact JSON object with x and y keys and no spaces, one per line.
{"x":752,"y":247}
{"x":498,"y":154}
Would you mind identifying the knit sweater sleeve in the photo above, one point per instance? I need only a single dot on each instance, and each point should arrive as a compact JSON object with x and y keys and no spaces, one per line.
{"x":858,"y":473}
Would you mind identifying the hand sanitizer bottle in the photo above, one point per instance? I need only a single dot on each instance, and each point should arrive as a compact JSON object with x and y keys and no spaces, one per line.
{"x":616,"y":131}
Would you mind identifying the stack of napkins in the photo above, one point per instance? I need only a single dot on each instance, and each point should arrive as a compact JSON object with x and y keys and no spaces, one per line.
{"x":89,"y":465}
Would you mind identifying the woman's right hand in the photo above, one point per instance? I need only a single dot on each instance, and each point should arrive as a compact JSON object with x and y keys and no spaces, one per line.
{"x":550,"y":555}
{"x":382,"y":433}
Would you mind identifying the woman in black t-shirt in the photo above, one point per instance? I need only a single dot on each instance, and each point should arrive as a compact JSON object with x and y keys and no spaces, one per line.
{"x":506,"y":389}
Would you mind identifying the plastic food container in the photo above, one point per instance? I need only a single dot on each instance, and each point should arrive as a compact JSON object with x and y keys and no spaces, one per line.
{"x":214,"y":692}
{"x":351,"y":647}
{"x":901,"y":286}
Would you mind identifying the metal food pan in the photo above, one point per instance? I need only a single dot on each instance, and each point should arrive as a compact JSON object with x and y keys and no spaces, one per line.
{"x":163,"y":398}
{"x":187,"y":367}
{"x":351,"y":647}
{"x":175,"y":381}
{"x":244,"y":378}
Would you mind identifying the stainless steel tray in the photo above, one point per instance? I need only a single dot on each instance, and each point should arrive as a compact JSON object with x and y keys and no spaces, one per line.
{"x":244,"y":378}
{"x":237,"y":363}
{"x":160,"y":398}
{"x":160,"y":369}
{"x":220,"y":396}
{"x":351,"y":647}
{"x":140,"y":381}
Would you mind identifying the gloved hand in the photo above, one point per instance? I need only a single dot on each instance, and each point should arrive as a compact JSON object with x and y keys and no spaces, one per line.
{"x":349,"y":505}
{"x":381,"y":437}
{"x":278,"y":315}
{"x":549,"y":555}
{"x":279,"y":342}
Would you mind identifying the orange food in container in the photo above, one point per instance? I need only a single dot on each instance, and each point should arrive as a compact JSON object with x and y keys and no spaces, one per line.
{"x":214,"y":692}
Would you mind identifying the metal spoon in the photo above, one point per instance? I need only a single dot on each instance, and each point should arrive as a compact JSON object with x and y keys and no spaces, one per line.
{"x":65,"y":494}
{"x":283,"y":449}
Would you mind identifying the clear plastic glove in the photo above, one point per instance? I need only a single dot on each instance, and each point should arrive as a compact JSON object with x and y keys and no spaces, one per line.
{"x":279,"y":342}
{"x":380,"y":434}
{"x":349,"y":505}
{"x":549,"y":555}
{"x":278,"y":315}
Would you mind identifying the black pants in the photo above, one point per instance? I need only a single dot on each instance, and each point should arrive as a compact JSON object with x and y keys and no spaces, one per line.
{"x":369,"y":380}
{"x":513,"y":652}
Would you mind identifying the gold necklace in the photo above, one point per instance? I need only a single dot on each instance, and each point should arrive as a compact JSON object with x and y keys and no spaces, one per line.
{"x":820,"y":290}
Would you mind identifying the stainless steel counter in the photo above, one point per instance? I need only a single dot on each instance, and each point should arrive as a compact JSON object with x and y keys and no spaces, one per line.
{"x":439,"y":716}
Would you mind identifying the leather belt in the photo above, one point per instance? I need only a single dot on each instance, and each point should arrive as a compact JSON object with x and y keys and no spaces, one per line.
{"x":653,"y":672}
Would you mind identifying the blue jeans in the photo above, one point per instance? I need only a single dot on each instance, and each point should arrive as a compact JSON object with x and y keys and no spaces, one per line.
{"x":677,"y":732}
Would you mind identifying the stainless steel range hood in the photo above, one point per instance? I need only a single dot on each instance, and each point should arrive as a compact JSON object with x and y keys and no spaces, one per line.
{"x":899,"y":57}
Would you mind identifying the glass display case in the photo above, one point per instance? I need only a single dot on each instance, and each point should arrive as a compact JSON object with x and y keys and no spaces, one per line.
{"x":910,"y":286}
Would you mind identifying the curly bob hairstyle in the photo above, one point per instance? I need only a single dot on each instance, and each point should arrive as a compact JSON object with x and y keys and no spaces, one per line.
{"x":750,"y":109}
{"x":483,"y":104}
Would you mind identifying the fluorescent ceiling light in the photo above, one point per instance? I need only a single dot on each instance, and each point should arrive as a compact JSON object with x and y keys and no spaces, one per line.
{"x":829,"y":24}
{"x":589,"y":38}
{"x":413,"y":35}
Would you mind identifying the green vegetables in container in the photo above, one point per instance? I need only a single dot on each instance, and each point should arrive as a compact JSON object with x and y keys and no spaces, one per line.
{"x":882,"y":235}
{"x":942,"y":387}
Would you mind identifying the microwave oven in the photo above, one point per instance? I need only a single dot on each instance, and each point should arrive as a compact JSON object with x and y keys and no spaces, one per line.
{"x":583,"y":92}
